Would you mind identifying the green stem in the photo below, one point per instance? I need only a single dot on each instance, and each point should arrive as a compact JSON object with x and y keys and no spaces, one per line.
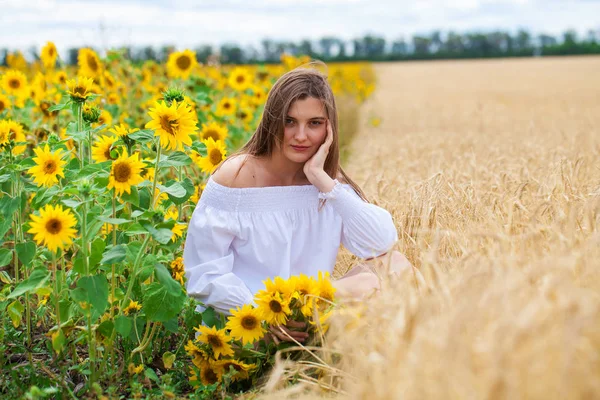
{"x":180,"y":206}
{"x":155,"y":176}
{"x":113,"y":282}
{"x":134,"y":273}
{"x":146,"y":340}
{"x":92,"y":348}
{"x":84,"y":244}
{"x":56,"y":294}
{"x":79,"y":119}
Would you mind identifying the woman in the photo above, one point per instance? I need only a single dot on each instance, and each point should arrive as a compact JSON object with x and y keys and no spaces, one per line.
{"x":281,"y":206}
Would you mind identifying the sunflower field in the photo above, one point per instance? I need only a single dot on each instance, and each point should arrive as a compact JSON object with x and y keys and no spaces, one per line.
{"x":101,"y":167}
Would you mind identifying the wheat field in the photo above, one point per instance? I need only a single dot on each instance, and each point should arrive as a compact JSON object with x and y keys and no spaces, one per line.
{"x":491,"y":170}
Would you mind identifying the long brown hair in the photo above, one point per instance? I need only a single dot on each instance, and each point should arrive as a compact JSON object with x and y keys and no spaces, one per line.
{"x":296,"y":84}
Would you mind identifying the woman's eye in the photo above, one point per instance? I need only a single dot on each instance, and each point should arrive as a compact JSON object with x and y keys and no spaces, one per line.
{"x":316,"y":123}
{"x":289,"y":121}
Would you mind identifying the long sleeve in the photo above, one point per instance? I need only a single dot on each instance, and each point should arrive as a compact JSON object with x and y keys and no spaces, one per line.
{"x":367,"y":230}
{"x":208,"y":260}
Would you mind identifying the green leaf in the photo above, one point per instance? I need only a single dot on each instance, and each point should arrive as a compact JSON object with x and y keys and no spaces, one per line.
{"x":123,"y":325}
{"x":106,"y":328}
{"x":176,"y":159}
{"x":58,"y":340}
{"x":161,"y":235}
{"x":5,"y":256}
{"x":37,"y":278}
{"x":5,"y":224}
{"x":160,"y":304}
{"x":114,"y":255}
{"x":26,"y":252}
{"x":209,"y":317}
{"x":96,"y":288}
{"x":150,"y":374}
{"x":5,"y":178}
{"x":60,"y":107}
{"x":15,"y":312}
{"x":133,"y":197}
{"x":113,"y":221}
{"x":168,"y":359}
{"x":8,"y":205}
{"x":175,"y":189}
{"x":164,"y":276}
{"x":135,"y":229}
{"x":71,"y":203}
{"x":143,"y":136}
{"x":98,"y":246}
{"x":92,"y":169}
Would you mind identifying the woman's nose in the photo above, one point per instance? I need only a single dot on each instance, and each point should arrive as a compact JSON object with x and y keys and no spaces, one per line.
{"x":301,"y":132}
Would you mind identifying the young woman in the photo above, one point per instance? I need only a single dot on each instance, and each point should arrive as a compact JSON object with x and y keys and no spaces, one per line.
{"x":282,"y":204}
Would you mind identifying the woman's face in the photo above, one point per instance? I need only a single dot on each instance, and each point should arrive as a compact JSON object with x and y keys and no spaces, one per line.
{"x":304,"y":130}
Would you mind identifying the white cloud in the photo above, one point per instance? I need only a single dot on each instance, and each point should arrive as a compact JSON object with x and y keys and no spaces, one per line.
{"x":188,"y":23}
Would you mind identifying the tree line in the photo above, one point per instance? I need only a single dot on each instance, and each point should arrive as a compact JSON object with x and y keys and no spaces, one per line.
{"x":433,"y":46}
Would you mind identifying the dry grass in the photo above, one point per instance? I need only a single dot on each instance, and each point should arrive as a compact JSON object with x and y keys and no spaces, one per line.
{"x":491,"y":170}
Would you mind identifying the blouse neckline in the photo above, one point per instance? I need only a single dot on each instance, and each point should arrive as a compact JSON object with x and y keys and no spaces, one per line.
{"x":260,"y":199}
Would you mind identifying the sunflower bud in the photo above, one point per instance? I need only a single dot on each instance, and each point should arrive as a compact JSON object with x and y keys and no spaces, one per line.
{"x":91,"y":114}
{"x":85,"y":188}
{"x":53,"y":139}
{"x":173,"y":94}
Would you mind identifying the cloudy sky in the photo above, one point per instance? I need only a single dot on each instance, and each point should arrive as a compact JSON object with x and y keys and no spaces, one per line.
{"x":187,"y":23}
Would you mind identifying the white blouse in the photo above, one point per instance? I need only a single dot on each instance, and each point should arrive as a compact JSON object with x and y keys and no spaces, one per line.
{"x":238,"y":237}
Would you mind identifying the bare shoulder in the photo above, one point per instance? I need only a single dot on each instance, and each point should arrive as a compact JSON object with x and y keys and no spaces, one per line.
{"x":236,"y":172}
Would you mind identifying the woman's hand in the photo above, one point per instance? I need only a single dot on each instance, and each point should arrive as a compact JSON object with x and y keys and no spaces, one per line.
{"x":277,"y":335}
{"x":313,"y":167}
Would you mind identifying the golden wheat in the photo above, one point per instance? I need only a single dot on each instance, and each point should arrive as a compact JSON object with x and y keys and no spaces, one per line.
{"x":491,"y":170}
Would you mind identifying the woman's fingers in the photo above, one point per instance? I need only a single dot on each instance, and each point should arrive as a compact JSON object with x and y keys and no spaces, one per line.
{"x":296,"y":324}
{"x":287,"y":335}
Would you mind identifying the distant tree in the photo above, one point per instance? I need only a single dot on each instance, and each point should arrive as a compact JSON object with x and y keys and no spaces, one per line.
{"x":203,"y":52}
{"x":232,"y":54}
{"x":454,"y":44}
{"x":399,"y":47}
{"x":72,"y":56}
{"x":148,"y":53}
{"x":305,"y":47}
{"x":326,"y":44}
{"x":547,"y":40}
{"x":421,"y":45}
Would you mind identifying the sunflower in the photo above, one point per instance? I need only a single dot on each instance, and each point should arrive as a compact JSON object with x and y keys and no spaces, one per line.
{"x":181,"y":64}
{"x":15,"y":83}
{"x":105,"y":118}
{"x":60,"y":78}
{"x":199,"y":356}
{"x":102,"y":147}
{"x":133,"y":306}
{"x":241,"y":369}
{"x":4,"y":103}
{"x":240,"y":79}
{"x":177,"y":230}
{"x":278,"y":286}
{"x":213,"y":130}
{"x":125,"y":172}
{"x":177,"y":270}
{"x":197,"y":193}
{"x":89,"y":63}
{"x":80,"y":89}
{"x":217,"y":339}
{"x":49,"y":55}
{"x":210,"y":373}
{"x":273,"y":308}
{"x":173,"y":124}
{"x":245,"y":324}
{"x":215,"y":154}
{"x":305,"y":288}
{"x":258,"y":95}
{"x":4,"y":133}
{"x":245,"y":114}
{"x":325,"y":289}
{"x":133,"y":370}
{"x":48,"y":166}
{"x":225,"y":107}
{"x":14,"y":131}
{"x":109,"y":81}
{"x":53,"y":227}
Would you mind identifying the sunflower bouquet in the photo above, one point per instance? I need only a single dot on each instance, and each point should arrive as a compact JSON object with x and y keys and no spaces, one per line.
{"x":239,"y":350}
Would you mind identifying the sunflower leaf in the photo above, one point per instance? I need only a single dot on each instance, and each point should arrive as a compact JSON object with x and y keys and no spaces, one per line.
{"x":5,"y":256}
{"x":161,"y":235}
{"x":161,"y":304}
{"x":174,"y":189}
{"x":143,"y":136}
{"x":114,"y":255}
{"x":60,"y":107}
{"x":113,"y":221}
{"x":96,"y":289}
{"x":176,"y":159}
{"x":25,"y":252}
{"x":36,"y":279}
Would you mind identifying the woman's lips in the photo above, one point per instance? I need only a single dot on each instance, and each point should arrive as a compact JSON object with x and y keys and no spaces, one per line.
{"x":299,"y":148}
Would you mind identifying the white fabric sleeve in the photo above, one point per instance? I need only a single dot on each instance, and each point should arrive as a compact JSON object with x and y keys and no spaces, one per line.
{"x":208,"y":260}
{"x":367,"y":230}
